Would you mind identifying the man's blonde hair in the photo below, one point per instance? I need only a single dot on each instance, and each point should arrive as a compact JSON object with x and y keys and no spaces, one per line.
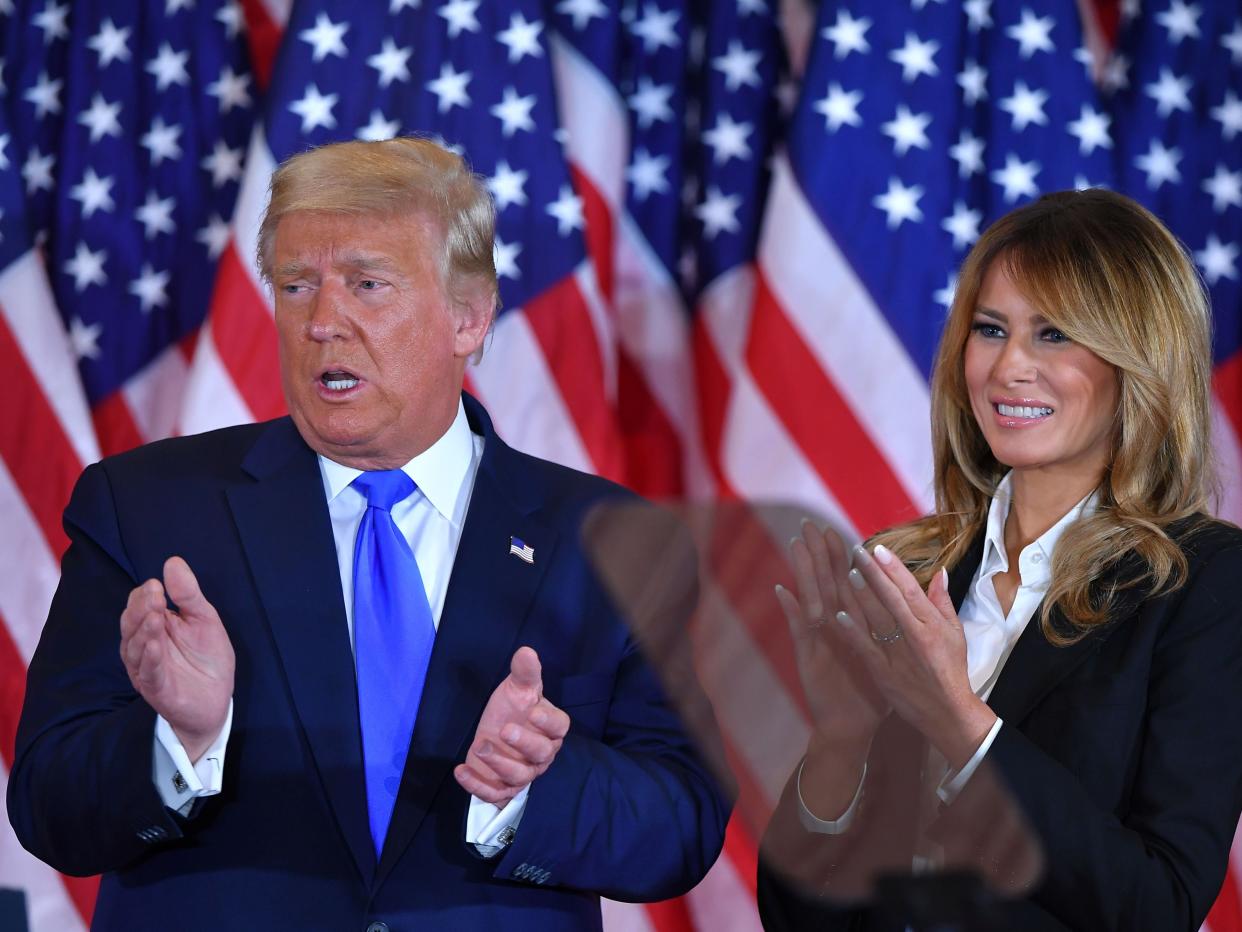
{"x":390,"y":179}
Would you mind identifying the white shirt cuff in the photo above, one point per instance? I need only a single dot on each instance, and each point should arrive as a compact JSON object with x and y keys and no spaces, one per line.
{"x":953,"y":783}
{"x":491,"y":829}
{"x":178,"y":781}
{"x":838,"y":826}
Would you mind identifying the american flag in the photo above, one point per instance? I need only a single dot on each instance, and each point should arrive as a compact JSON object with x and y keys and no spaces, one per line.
{"x":727,"y":234}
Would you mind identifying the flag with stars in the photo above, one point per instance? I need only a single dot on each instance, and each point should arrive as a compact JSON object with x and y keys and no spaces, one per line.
{"x":726,"y":238}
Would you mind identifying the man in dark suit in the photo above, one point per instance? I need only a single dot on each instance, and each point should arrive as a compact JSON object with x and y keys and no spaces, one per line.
{"x":261,"y":752}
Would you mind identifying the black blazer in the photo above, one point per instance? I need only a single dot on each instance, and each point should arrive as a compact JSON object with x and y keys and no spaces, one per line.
{"x":1124,"y":752}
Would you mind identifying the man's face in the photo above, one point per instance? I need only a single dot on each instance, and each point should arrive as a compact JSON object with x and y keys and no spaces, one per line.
{"x":372,"y":350}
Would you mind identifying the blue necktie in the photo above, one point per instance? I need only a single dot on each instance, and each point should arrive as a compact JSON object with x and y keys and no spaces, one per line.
{"x":393,"y":636}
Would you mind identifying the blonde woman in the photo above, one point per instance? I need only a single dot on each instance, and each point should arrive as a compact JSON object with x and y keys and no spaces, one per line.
{"x":1069,"y":618}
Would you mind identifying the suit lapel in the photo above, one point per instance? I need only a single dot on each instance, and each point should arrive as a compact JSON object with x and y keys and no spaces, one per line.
{"x":287,"y":536}
{"x":1036,"y":667}
{"x":489,"y":596}
{"x":961,"y":574}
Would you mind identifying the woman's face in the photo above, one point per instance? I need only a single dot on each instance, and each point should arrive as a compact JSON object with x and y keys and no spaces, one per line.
{"x":1045,"y":404}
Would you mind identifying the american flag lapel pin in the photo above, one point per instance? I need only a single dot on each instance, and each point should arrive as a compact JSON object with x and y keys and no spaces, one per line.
{"x":522,"y":550}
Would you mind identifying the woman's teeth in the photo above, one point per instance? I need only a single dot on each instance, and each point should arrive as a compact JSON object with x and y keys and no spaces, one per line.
{"x":1022,"y":411}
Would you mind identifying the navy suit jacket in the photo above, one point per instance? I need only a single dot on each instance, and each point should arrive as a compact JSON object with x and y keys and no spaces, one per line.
{"x":627,"y":809}
{"x":1123,"y":751}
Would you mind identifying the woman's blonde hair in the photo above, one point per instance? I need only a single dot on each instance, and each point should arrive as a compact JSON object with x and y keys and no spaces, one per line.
{"x":1105,"y":272}
{"x":392,"y":178}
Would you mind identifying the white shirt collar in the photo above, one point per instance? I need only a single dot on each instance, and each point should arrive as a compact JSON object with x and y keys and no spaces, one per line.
{"x":1036,"y":557}
{"x":439,"y":471}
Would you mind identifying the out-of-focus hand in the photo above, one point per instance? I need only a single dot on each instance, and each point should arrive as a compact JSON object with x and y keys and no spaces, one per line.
{"x":518,"y":736}
{"x":919,"y":659}
{"x":181,"y":662}
{"x":844,"y":701}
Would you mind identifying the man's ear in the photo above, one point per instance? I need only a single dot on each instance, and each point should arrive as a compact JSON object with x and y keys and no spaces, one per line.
{"x":475,"y":307}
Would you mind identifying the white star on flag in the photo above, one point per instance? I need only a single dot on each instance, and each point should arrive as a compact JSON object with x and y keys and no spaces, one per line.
{"x":1025,"y":106}
{"x":93,"y":193}
{"x":225,"y":164}
{"x":944,"y":296}
{"x":504,"y":255}
{"x":567,"y":209}
{"x":1218,"y":260}
{"x":916,"y":57}
{"x":379,"y":128}
{"x":1033,"y":34}
{"x":963,"y":225}
{"x":513,"y":111}
{"x":1017,"y":178}
{"x":110,"y":43}
{"x":51,"y":19}
{"x":1229,"y":115}
{"x":325,"y":38}
{"x":86,"y":268}
{"x":1170,"y":93}
{"x":1160,"y":164}
{"x":84,"y":338}
{"x":37,"y":171}
{"x":908,"y":130}
{"x":656,"y":28}
{"x":230,"y":17}
{"x":978,"y":14}
{"x":1233,"y":42}
{"x":582,"y":11}
{"x":900,"y":203}
{"x":168,"y":67}
{"x":727,"y":139}
{"x":718,"y":212}
{"x":450,"y":88}
{"x":150,"y":288}
{"x":508,"y":186}
{"x":650,"y":102}
{"x":848,"y":35}
{"x":230,"y":89}
{"x":839,"y":107}
{"x":155,"y":215}
{"x":45,"y":95}
{"x":1091,"y":130}
{"x":739,"y":66}
{"x":1226,"y":189}
{"x":646,"y":174}
{"x":162,"y":141}
{"x":521,"y":38}
{"x":101,"y":118}
{"x":460,"y":16}
{"x":315,"y":109}
{"x":1181,"y":20}
{"x":391,"y":62}
{"x":973,"y":79}
{"x":215,"y":236}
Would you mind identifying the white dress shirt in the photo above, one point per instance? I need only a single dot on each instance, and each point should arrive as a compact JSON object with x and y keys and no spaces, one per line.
{"x":991,"y":633}
{"x":431,"y":520}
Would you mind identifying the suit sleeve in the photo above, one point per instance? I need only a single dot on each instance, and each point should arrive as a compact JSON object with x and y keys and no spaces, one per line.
{"x":80,"y":794}
{"x":1160,"y":867}
{"x":636,"y":815}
